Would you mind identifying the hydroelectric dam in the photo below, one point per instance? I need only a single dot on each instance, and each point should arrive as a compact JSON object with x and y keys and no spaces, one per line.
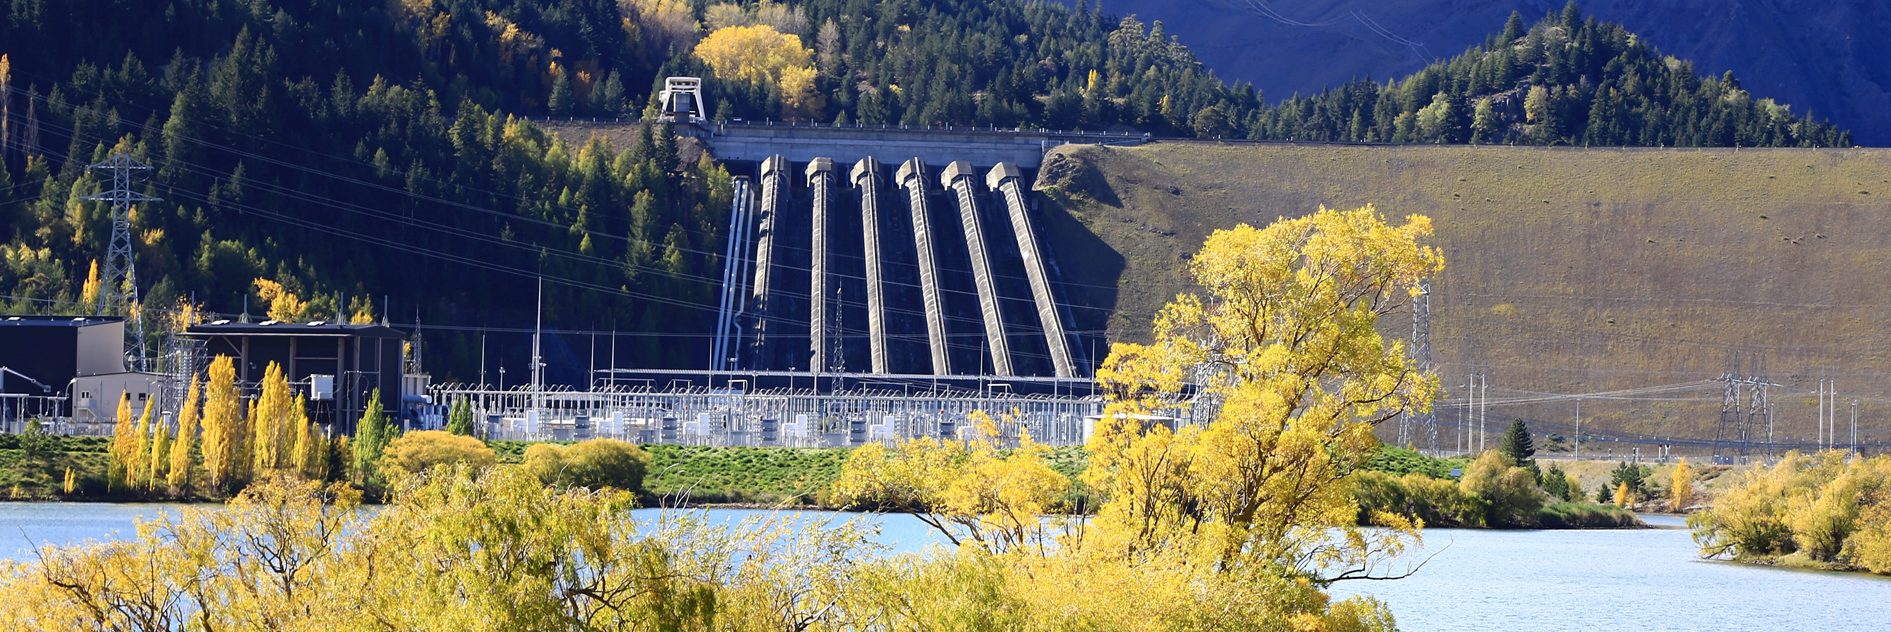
{"x":877,"y":283}
{"x":892,"y":251}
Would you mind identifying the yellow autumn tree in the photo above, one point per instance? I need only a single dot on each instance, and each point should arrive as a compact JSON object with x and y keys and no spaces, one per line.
{"x":761,"y":55}
{"x":273,"y":437}
{"x":88,"y":295}
{"x":119,"y":469}
{"x":1682,"y":482}
{"x":139,"y":467}
{"x":225,"y":437}
{"x":970,"y":491}
{"x":1286,"y":341}
{"x":187,"y":421}
{"x":310,"y":453}
{"x":283,"y":305}
{"x":159,"y":460}
{"x":1622,"y":498}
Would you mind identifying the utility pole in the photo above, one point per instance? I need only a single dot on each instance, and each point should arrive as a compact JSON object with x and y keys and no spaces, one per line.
{"x":118,"y":288}
{"x":1579,"y":428}
{"x":1854,"y":443}
{"x":1414,"y":422}
{"x":1483,"y":408}
{"x":538,"y":328}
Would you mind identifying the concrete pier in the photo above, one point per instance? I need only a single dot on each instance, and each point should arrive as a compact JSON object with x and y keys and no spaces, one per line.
{"x":912,"y":177}
{"x":961,"y":178}
{"x":774,"y":176}
{"x":820,"y":176}
{"x":1004,"y":179}
{"x":866,"y":176}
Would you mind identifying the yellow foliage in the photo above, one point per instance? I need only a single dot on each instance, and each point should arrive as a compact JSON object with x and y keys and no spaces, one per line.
{"x":1512,"y":491}
{"x":764,"y":56}
{"x":415,"y":452}
{"x":225,"y":434}
{"x":1681,"y":481}
{"x":1286,"y":341}
{"x":1833,"y":507}
{"x":284,"y":305}
{"x":187,"y":423}
{"x":121,"y":448}
{"x":1623,"y":497}
{"x":968,"y":491}
{"x":89,"y":294}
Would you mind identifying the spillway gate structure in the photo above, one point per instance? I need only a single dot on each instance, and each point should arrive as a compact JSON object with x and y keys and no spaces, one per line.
{"x":948,"y":279}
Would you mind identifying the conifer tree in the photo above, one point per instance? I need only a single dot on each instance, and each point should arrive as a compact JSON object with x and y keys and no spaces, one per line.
{"x":460,"y":419}
{"x":187,"y":423}
{"x":1517,"y":444}
{"x":559,"y":103}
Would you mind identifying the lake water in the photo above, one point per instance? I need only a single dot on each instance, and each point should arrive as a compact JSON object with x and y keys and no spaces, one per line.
{"x":1551,"y":581}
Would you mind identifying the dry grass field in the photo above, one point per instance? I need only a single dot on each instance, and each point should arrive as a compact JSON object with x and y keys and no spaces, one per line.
{"x":1568,"y":270}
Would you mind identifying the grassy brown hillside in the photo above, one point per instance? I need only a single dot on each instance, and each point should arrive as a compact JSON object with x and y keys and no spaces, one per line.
{"x":1568,"y":270}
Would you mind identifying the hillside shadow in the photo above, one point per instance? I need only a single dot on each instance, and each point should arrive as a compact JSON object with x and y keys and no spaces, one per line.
{"x":1088,"y":272}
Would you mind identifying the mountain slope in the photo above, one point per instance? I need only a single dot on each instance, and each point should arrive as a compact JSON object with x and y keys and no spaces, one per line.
{"x":1831,"y":59}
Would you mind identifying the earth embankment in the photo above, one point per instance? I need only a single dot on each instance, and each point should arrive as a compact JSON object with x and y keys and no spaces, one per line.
{"x":1569,"y":270}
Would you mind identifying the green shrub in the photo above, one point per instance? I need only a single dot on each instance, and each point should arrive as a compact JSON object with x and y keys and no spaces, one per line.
{"x":1511,"y":490}
{"x":1437,"y":501}
{"x":1573,"y":515}
{"x":594,"y":464}
{"x":414,"y":452}
{"x":1400,"y":461}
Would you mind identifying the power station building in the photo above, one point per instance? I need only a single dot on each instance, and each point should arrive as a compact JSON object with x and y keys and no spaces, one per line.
{"x":338,"y":366}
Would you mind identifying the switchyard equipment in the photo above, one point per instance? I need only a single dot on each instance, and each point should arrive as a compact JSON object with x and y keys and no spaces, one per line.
{"x":738,"y":416}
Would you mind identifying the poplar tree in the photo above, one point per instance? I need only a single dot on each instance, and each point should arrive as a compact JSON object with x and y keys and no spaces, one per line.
{"x":138,"y":456}
{"x":273,"y":435}
{"x":1682,"y":479}
{"x":187,"y":423}
{"x":223,"y":435}
{"x":159,"y":458}
{"x":117,"y":470}
{"x":371,"y":436}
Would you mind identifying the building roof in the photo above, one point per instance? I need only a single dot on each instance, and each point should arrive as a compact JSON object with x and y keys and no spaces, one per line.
{"x":318,"y":328}
{"x":26,"y":320}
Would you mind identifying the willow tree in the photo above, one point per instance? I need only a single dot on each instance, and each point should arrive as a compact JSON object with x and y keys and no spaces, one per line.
{"x":1286,"y":341}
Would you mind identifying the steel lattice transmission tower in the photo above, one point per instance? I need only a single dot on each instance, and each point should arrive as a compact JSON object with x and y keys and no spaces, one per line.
{"x":1414,"y":424}
{"x":118,"y":288}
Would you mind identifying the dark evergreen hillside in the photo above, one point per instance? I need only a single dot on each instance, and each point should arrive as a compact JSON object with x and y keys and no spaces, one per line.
{"x":1565,"y":80}
{"x":361,"y":157}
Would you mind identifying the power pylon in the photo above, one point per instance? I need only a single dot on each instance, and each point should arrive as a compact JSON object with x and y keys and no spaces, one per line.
{"x":118,"y":291}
